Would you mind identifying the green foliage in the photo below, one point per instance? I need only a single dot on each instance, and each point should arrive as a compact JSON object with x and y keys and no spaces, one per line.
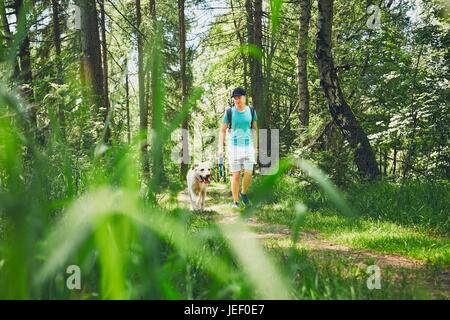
{"x":409,"y":219}
{"x":68,"y":198}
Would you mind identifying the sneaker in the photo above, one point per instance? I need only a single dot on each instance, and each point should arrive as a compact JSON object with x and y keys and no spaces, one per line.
{"x":244,"y":198}
{"x":235,"y":205}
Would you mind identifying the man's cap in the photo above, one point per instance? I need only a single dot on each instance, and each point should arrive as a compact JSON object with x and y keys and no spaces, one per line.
{"x":238,"y":92}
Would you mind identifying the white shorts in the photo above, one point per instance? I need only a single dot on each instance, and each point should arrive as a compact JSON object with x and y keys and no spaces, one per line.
{"x":241,"y":158}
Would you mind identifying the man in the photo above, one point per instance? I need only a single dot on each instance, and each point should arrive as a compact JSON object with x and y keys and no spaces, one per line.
{"x":242,"y":144}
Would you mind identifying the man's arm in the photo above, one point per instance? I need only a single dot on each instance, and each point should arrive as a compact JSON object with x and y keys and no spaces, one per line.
{"x":222,"y":133}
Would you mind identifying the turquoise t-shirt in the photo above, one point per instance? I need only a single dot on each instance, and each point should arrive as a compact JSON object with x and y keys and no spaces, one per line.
{"x":241,"y":132}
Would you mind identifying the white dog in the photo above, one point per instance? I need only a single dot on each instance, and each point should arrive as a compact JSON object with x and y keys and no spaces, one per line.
{"x":198,"y":178}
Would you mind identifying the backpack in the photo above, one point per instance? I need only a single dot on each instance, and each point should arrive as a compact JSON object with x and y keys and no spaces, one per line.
{"x":230,"y":113}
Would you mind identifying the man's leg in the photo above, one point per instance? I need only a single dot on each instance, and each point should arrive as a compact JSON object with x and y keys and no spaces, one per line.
{"x":235,"y":185}
{"x":246,"y":180}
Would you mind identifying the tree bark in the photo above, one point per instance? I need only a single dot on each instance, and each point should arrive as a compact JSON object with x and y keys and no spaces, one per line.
{"x":254,"y":30}
{"x":302,"y":62}
{"x":25,"y":76}
{"x":185,"y":125}
{"x":127,"y":101}
{"x":385,"y":163}
{"x":143,"y":108}
{"x":8,"y":35}
{"x":105,"y":70}
{"x":91,"y":64}
{"x":340,"y":111}
{"x":241,"y":43}
{"x":257,"y":78}
{"x":394,"y":165}
{"x":413,"y":115}
{"x":152,"y":7}
{"x":58,"y":64}
{"x":5,"y":23}
{"x":250,"y":35}
{"x":156,"y":102}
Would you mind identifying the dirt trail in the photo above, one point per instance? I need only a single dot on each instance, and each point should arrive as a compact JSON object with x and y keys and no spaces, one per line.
{"x":218,"y":202}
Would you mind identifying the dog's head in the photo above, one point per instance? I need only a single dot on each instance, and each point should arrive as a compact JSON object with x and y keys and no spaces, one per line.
{"x":202,"y":172}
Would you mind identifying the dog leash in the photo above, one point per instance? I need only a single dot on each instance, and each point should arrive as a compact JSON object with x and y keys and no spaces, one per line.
{"x":220,"y":166}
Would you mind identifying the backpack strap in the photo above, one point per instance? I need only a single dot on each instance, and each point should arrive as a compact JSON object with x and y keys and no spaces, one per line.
{"x":229,"y":117}
{"x":252,"y":111}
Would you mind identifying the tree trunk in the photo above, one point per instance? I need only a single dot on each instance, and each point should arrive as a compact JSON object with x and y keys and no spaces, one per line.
{"x":105,"y":70}
{"x":5,"y":24}
{"x":157,"y":103}
{"x":302,"y":62}
{"x":58,"y":64}
{"x":143,"y":108}
{"x":8,"y":35}
{"x":254,"y":29}
{"x":340,"y":111}
{"x":127,"y":102}
{"x":185,"y":145}
{"x":25,"y":76}
{"x":394,"y":165}
{"x":257,"y":78}
{"x":385,"y":162}
{"x":91,"y":64}
{"x":250,"y":35}
{"x":380,"y":162}
{"x":411,"y":144}
{"x":241,"y":43}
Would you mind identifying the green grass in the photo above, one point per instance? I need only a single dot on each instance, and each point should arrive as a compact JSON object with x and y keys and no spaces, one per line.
{"x":316,"y":273}
{"x":411,"y":220}
{"x":329,"y":275}
{"x":381,"y":236}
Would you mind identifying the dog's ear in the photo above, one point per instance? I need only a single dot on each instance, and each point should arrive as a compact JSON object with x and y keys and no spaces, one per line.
{"x":195,"y":165}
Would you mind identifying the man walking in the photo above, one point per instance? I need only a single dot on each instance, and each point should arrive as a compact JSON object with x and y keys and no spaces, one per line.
{"x":240,"y":123}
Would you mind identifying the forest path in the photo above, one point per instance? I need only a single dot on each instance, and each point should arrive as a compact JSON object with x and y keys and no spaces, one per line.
{"x":218,"y":207}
